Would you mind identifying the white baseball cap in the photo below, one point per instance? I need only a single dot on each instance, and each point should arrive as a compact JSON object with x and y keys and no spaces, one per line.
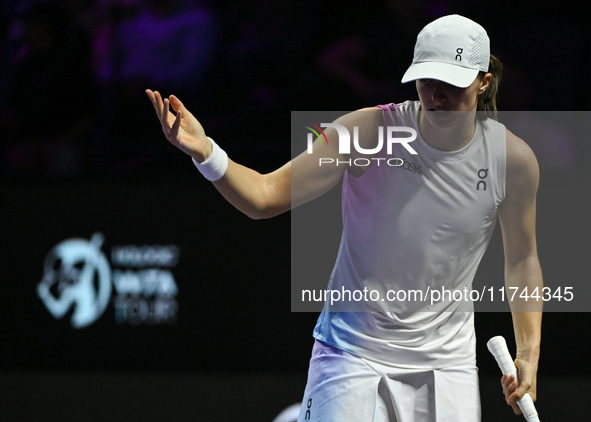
{"x":451,"y":49}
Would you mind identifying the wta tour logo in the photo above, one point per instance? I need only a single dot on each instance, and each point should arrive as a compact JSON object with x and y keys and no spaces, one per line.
{"x":69,"y":275}
{"x":344,"y":142}
{"x":77,"y":275}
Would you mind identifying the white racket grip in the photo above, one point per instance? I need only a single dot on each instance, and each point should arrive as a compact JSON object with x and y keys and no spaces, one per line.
{"x":498,"y":347}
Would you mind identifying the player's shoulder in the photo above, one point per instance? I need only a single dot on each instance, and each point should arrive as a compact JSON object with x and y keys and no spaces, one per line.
{"x":366,"y":111}
{"x":519,"y":153}
{"x":522,"y":164}
{"x":368,"y":116}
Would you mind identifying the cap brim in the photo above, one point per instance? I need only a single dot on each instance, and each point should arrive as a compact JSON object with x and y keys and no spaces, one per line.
{"x":454,"y":75}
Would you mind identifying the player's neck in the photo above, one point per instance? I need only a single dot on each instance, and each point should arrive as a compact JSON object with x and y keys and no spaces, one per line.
{"x":448,"y":137}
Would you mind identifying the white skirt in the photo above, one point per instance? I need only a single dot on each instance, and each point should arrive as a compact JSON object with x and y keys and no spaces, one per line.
{"x":345,"y":388}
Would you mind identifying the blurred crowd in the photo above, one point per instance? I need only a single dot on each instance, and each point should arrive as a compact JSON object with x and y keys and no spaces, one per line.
{"x":73,"y":74}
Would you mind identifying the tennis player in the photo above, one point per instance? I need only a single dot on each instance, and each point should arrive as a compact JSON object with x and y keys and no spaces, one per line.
{"x":421,"y":221}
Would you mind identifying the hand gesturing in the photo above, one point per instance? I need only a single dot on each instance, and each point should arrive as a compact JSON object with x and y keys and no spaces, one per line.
{"x":183,"y":130}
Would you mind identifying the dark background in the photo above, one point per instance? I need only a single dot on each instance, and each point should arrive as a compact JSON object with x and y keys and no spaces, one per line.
{"x":82,"y":152}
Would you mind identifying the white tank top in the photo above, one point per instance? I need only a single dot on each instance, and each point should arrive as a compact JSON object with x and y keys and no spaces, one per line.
{"x":421,"y":226}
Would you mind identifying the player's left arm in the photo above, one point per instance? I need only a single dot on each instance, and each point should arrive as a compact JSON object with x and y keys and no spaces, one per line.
{"x":517,"y":215}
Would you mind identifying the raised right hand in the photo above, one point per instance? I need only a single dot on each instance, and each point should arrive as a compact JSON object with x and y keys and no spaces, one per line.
{"x":183,"y":130}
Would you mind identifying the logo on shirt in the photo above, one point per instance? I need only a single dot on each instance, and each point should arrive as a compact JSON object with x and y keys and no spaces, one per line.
{"x":412,"y":167}
{"x":482,"y":175}
{"x":308,"y":414}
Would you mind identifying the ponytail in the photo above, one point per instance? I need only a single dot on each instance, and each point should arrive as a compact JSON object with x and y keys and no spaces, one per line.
{"x":487,"y":101}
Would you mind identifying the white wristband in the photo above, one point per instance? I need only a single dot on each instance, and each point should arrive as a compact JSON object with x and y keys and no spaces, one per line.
{"x":216,"y":164}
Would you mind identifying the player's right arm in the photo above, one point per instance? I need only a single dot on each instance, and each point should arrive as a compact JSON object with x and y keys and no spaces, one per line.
{"x":264,"y":195}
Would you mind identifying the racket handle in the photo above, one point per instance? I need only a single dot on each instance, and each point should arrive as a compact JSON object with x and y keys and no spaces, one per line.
{"x":498,"y":347}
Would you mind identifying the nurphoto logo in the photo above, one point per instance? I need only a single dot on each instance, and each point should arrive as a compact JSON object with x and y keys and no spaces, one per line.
{"x":345,"y":143}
